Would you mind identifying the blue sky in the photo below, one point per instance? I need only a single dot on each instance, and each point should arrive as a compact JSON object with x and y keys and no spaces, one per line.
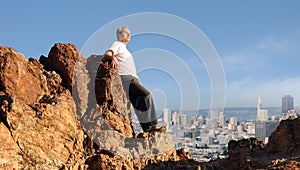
{"x":257,"y":43}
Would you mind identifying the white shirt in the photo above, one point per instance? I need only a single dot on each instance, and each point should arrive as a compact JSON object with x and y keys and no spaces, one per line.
{"x":125,"y":58}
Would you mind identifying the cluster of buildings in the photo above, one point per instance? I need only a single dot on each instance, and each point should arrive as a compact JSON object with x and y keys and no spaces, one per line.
{"x":207,"y":137}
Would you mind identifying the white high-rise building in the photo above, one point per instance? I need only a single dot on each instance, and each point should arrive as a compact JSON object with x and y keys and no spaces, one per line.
{"x":233,"y":121}
{"x":167,"y":116}
{"x":258,"y":104}
{"x":222,"y":119}
{"x":174,"y":118}
{"x":262,"y":115}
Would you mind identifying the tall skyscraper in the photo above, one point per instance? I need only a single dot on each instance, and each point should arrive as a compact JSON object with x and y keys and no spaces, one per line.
{"x":258,"y":104}
{"x":262,"y":115}
{"x":167,"y":116}
{"x":222,"y":119}
{"x":287,"y":103}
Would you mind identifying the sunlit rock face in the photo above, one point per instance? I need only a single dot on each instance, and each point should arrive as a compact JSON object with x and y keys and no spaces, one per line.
{"x":38,"y":118}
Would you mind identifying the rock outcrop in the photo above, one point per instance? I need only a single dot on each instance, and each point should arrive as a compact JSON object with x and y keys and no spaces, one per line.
{"x":112,"y":100}
{"x":286,"y":139}
{"x":38,"y":118}
{"x":108,"y":124}
{"x":66,"y":111}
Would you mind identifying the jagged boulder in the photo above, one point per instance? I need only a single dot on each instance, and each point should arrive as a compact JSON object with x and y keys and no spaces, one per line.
{"x":81,"y":79}
{"x":240,"y":153}
{"x":111,"y":99}
{"x":107,"y":121}
{"x":62,"y":59}
{"x":286,"y":138}
{"x":20,"y":79}
{"x":38,"y":118}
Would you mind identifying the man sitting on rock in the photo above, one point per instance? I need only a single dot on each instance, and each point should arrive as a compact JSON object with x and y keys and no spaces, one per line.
{"x":138,"y":95}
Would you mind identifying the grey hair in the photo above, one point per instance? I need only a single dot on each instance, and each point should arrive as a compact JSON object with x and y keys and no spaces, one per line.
{"x":119,"y":30}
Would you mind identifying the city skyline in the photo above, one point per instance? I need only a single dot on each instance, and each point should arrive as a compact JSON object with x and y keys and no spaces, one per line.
{"x":256,"y":44}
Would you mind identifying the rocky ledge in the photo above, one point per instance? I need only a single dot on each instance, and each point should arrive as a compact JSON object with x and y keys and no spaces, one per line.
{"x":65,"y":111}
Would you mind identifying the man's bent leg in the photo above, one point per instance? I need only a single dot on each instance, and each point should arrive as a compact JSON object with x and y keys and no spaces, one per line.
{"x":143,"y":105}
{"x":145,"y":112}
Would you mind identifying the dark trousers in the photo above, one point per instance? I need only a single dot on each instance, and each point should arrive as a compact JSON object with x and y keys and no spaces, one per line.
{"x":141,"y":101}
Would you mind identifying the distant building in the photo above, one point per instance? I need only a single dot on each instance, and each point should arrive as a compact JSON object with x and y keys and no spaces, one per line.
{"x":250,"y":127}
{"x":262,"y":115}
{"x":183,"y":119}
{"x":263,"y":129}
{"x":232,"y":125}
{"x":174,"y":118}
{"x":240,"y":128}
{"x":213,"y":119}
{"x":222,"y":119}
{"x":167,"y":116}
{"x":286,"y":115}
{"x":287,"y":103}
{"x":233,"y":121}
{"x":191,"y":134}
{"x":200,"y":121}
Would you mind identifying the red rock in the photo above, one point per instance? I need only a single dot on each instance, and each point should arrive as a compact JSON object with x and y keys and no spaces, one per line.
{"x":10,"y":152}
{"x":62,"y":59}
{"x":39,"y":114}
{"x":286,"y":138}
{"x":20,"y":79}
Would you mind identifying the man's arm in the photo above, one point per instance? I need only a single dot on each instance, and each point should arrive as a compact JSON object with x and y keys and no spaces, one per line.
{"x":114,"y":60}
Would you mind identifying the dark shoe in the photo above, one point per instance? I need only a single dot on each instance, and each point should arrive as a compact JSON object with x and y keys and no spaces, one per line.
{"x":161,"y":129}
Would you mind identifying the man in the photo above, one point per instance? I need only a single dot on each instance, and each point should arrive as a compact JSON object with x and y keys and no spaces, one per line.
{"x":138,"y":95}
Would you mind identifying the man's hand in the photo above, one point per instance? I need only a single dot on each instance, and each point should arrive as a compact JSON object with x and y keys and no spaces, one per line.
{"x":114,"y":60}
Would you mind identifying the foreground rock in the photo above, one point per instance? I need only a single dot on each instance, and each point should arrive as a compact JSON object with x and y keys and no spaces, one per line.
{"x":38,"y":120}
{"x":42,"y":125}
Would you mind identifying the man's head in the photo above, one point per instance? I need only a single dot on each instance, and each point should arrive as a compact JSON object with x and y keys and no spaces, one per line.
{"x":123,"y":34}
